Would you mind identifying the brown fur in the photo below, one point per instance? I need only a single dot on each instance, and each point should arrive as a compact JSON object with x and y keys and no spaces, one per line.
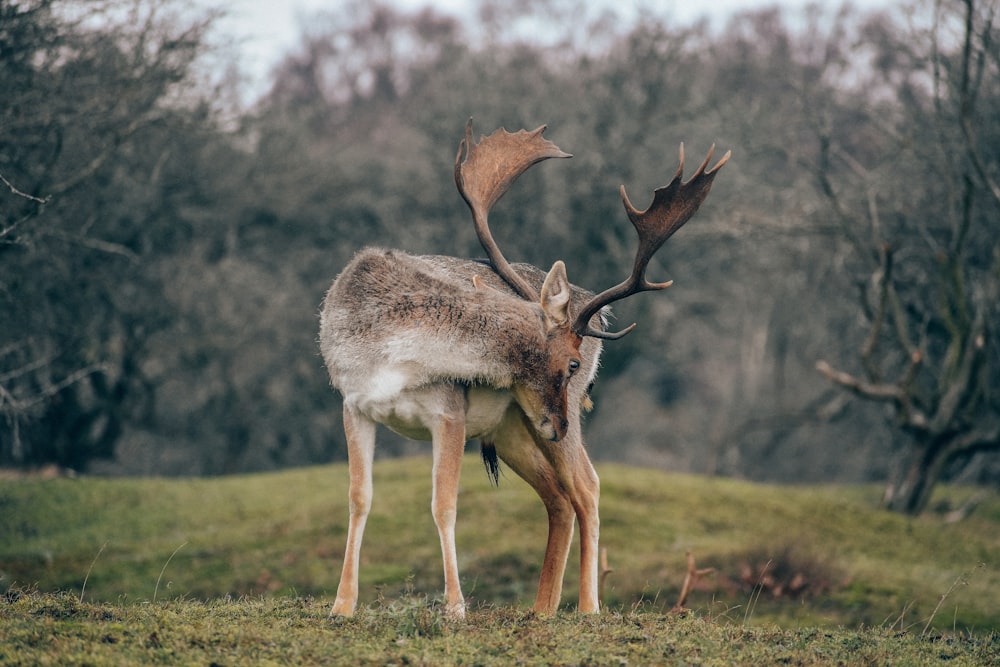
{"x":441,"y":349}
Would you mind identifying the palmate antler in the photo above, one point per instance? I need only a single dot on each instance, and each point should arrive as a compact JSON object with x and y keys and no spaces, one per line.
{"x":672,"y":206}
{"x":485,"y":170}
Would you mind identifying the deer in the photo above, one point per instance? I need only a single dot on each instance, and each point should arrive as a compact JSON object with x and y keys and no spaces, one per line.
{"x":448,"y":350}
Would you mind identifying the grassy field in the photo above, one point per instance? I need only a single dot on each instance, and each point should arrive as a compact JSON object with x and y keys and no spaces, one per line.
{"x":243,"y":569}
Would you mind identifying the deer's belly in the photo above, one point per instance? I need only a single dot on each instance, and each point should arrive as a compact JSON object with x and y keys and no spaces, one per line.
{"x":412,"y":412}
{"x":484,"y":409}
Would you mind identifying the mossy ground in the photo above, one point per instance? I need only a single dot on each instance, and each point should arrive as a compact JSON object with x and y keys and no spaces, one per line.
{"x":244,"y":568}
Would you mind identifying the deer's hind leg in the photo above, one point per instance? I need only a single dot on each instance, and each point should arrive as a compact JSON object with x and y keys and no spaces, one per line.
{"x":448,"y":434}
{"x":360,"y":432}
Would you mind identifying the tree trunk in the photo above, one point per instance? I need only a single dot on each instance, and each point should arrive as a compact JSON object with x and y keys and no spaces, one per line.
{"x":911,"y":495}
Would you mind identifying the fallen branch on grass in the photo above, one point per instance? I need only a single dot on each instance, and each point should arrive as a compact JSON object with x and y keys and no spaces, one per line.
{"x":691,"y":580}
{"x":605,"y":571}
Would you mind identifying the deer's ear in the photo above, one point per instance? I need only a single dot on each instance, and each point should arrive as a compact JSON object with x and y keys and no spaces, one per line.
{"x":556,"y":296}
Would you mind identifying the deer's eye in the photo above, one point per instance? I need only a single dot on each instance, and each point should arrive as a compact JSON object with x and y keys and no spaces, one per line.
{"x":574,"y":366}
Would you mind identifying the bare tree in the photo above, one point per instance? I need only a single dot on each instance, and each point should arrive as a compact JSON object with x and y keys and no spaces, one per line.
{"x":910,"y":173}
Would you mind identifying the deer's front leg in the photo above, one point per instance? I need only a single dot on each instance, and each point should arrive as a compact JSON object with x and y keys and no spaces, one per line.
{"x":572,"y":487}
{"x":579,"y":482}
{"x":570,"y":479}
{"x":360,"y":432}
{"x":516,"y":446}
{"x":560,"y":513}
{"x":449,"y":445}
{"x":529,"y":464}
{"x":586,"y":499}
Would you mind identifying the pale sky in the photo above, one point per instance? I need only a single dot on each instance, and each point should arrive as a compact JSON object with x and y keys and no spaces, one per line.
{"x":267,"y":29}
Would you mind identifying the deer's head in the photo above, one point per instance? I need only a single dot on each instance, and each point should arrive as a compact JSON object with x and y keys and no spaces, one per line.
{"x":542,"y":392}
{"x":484,"y":171}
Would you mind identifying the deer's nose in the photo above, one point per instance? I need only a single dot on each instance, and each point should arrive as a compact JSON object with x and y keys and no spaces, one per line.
{"x":559,"y":427}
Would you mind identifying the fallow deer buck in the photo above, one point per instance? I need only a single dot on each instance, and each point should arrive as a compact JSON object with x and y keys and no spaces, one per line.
{"x":445,"y":349}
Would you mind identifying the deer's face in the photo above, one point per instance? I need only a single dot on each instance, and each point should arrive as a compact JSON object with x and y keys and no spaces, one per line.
{"x":543,"y":394}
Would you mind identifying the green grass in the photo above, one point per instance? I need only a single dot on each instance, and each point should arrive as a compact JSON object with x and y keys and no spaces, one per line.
{"x":244,"y":568}
{"x":58,"y":629}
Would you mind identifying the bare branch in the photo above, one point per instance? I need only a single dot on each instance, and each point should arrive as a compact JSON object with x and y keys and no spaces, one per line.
{"x":900,"y":318}
{"x":69,"y":380}
{"x":882,"y":391}
{"x":978,"y":164}
{"x":874,"y":391}
{"x":960,"y":384}
{"x":21,"y":404}
{"x":878,"y":318}
{"x":100,"y":158}
{"x":98,"y":244}
{"x":691,"y":579}
{"x":27,"y":368}
{"x":605,"y":571}
{"x":17,"y":192}
{"x":977,"y":440}
{"x":843,"y":216}
{"x":968,"y":91}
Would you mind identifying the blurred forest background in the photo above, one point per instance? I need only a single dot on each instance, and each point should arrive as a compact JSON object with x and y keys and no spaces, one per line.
{"x":165,"y":243}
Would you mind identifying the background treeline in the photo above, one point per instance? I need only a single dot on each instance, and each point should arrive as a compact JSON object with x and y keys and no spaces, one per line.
{"x":164,"y":245}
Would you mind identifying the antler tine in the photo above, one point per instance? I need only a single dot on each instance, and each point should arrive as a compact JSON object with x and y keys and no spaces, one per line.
{"x":673,"y":205}
{"x":485,"y":170}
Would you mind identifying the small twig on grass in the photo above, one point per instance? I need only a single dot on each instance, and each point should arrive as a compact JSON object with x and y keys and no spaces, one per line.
{"x":691,"y":579}
{"x":164,"y":569}
{"x":605,"y":571}
{"x":91,"y":569}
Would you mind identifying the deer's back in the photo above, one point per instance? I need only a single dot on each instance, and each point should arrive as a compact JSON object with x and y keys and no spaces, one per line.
{"x":393,"y":323}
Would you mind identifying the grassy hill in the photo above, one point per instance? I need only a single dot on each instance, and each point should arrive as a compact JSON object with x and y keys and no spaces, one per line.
{"x":283,"y":534}
{"x":810,"y":560}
